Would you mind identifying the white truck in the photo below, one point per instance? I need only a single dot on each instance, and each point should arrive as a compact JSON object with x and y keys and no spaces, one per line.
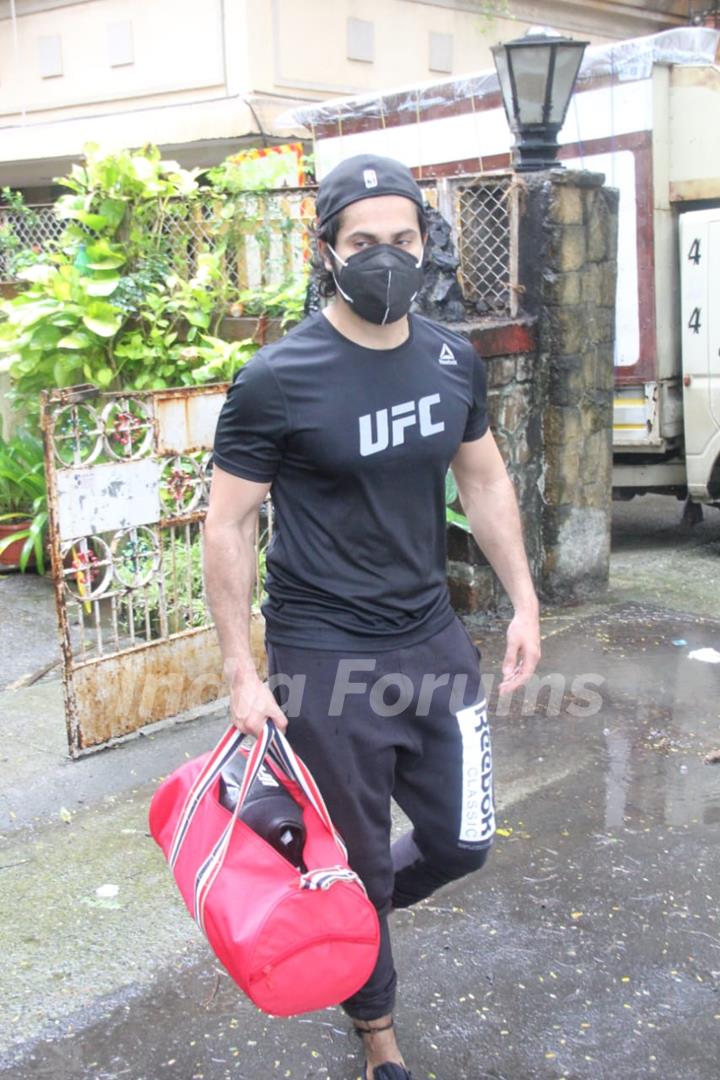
{"x":647,"y":114}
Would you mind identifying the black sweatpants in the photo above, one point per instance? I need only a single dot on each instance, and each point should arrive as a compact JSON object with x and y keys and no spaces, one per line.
{"x":410,"y":723}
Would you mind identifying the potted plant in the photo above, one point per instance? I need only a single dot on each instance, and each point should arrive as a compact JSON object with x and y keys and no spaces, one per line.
{"x":23,"y":503}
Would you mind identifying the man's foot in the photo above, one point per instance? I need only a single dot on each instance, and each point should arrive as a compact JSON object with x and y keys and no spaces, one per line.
{"x":381,"y":1048}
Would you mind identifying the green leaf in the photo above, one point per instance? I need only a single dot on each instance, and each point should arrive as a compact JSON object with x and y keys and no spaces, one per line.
{"x":45,"y":336}
{"x":28,"y":313}
{"x":77,"y":340}
{"x":6,"y":362}
{"x":102,"y":319}
{"x":60,"y":287}
{"x":38,"y":272}
{"x":451,"y":492}
{"x":457,"y":519}
{"x":97,"y":222}
{"x":102,"y":255}
{"x":97,"y":286}
{"x":35,"y":542}
{"x":21,"y":534}
{"x":67,"y":182}
{"x":144,"y":170}
{"x":67,"y":367}
{"x":104,"y":376}
{"x":113,"y":210}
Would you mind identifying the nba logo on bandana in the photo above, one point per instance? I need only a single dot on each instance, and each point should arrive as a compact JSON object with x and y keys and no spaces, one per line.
{"x":370,"y":178}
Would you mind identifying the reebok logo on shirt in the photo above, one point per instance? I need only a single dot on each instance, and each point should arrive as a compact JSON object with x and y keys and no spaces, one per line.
{"x":390,"y":424}
{"x":447,"y":356}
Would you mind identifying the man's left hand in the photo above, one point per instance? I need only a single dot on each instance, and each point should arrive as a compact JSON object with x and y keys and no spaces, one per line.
{"x":522,"y":652}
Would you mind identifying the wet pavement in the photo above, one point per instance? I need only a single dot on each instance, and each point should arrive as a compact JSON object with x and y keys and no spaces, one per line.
{"x":588,"y":946}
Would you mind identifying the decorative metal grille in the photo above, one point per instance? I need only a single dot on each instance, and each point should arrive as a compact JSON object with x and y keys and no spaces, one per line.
{"x":128,"y":484}
{"x":263,"y":240}
{"x":485,"y":220}
{"x":37,"y":230}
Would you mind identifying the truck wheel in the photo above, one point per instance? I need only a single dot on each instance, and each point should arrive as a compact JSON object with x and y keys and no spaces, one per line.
{"x":692,"y":513}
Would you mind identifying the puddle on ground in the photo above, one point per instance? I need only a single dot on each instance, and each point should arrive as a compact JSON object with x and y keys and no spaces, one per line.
{"x":614,"y":692}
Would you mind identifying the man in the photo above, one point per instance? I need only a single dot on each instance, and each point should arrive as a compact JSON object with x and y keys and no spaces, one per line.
{"x":352,"y":421}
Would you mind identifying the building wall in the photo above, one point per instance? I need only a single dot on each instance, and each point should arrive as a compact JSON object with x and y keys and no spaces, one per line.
{"x":117,"y":72}
{"x":199,"y":79}
{"x":85,"y":58}
{"x":310,"y":45}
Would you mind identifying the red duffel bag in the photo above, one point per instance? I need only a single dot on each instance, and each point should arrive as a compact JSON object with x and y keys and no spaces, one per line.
{"x":292,"y":941}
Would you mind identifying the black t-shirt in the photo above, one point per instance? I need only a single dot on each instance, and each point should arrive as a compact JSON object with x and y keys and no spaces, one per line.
{"x":357,"y":443}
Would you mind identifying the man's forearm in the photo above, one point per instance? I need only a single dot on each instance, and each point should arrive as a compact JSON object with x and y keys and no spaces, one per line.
{"x":494,"y":518}
{"x":229,"y":572}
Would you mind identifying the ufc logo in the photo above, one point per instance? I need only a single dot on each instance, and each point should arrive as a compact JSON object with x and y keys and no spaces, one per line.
{"x":390,"y":424}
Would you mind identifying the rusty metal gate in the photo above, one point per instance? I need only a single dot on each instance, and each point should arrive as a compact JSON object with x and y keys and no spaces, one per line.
{"x":128,"y":481}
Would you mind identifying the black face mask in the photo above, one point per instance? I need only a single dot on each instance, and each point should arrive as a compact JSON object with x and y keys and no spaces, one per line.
{"x":380,"y":282}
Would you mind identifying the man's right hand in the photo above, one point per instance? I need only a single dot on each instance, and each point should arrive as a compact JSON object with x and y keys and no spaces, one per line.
{"x":251,"y":703}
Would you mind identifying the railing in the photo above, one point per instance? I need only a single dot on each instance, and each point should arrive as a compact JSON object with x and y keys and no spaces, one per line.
{"x":266,"y":239}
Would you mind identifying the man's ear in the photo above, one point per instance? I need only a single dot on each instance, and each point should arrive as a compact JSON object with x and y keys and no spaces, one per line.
{"x":325,"y":255}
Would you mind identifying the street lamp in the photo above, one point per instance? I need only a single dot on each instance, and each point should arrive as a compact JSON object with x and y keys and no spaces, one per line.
{"x":537,"y":74}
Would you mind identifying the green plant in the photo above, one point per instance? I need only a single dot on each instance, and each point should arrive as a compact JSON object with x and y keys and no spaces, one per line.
{"x":23,"y":495}
{"x":110,"y":276}
{"x":128,"y":196}
{"x":452,"y":517}
{"x":172,"y":341}
{"x":181,"y":588}
{"x":286,"y":301}
{"x":131,"y":295}
{"x":220,"y":359}
{"x":64,"y":327}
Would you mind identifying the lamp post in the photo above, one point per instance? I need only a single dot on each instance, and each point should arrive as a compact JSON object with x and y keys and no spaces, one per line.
{"x":537,"y":73}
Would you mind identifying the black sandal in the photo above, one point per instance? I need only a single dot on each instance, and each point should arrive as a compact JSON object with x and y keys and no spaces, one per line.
{"x":388,"y":1070}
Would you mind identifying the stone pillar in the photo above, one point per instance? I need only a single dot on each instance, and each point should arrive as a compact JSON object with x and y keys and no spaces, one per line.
{"x":550,"y":388}
{"x":508,"y":349}
{"x":568,"y":253}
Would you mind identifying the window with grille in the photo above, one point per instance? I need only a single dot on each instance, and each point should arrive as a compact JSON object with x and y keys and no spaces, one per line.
{"x":483,"y":223}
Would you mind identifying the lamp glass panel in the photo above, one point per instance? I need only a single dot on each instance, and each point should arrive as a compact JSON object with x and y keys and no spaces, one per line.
{"x":567,"y":62}
{"x":530,"y":66}
{"x":503,"y":71}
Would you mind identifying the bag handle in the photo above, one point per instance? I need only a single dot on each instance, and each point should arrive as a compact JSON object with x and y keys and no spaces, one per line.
{"x":212,"y":865}
{"x":292,"y":765}
{"x":297,"y":770}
